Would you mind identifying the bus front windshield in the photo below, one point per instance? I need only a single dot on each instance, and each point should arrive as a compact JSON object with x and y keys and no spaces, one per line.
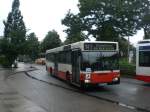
{"x":100,"y":61}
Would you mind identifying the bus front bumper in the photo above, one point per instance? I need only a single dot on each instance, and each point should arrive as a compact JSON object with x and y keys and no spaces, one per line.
{"x":96,"y":78}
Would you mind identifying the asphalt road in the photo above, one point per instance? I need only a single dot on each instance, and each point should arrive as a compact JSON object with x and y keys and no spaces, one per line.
{"x":54,"y":95}
{"x":10,"y":99}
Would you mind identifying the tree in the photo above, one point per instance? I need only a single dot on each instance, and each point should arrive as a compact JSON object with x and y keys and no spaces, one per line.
{"x":146,"y":26}
{"x":110,"y":19}
{"x":74,"y":28}
{"x":50,"y":41}
{"x":32,"y":46}
{"x":13,"y":42}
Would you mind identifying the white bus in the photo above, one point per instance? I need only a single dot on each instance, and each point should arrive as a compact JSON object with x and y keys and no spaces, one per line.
{"x":143,"y":60}
{"x":84,"y":63}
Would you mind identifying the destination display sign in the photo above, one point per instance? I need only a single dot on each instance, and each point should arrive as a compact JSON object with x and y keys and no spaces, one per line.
{"x":100,"y":46}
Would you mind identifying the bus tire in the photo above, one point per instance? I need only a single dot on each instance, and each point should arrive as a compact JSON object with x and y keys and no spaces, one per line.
{"x":118,"y":82}
{"x":114,"y":83}
{"x":51,"y":71}
{"x":68,"y":76}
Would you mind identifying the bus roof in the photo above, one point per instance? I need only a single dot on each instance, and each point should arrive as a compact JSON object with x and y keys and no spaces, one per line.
{"x":76,"y":45}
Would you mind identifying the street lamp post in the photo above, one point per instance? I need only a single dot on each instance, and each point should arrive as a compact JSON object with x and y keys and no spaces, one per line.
{"x":128,"y":49}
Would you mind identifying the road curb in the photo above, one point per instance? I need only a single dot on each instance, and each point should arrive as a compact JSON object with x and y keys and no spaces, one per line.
{"x":19,"y":72}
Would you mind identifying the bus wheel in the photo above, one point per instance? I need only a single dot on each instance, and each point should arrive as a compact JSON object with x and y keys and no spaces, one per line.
{"x":117,"y":82}
{"x":114,"y":83}
{"x":51,"y":71}
{"x":68,"y":76}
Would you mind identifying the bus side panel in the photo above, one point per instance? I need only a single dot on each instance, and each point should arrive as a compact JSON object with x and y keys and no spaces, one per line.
{"x":143,"y":73}
{"x":50,"y":66}
{"x":63,"y":69}
{"x":143,"y":78}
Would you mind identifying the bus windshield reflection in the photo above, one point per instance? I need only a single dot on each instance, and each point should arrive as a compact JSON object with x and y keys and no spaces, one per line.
{"x":100,"y":61}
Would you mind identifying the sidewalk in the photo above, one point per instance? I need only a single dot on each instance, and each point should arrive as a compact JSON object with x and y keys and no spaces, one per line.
{"x":10,"y":99}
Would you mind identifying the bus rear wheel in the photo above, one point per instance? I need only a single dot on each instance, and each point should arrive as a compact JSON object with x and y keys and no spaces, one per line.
{"x":68,"y":77}
{"x":51,"y":71}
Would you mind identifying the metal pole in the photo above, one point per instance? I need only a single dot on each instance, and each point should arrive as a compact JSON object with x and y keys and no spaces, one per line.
{"x":128,"y":49}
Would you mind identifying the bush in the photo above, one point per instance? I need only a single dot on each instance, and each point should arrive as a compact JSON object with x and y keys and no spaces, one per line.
{"x":5,"y":62}
{"x":127,"y":69}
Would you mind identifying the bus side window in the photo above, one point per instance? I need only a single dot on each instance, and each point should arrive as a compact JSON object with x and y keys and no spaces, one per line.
{"x":68,"y":57}
{"x":46,"y":56}
{"x":64,"y":57}
{"x":61,"y":57}
{"x":52,"y":57}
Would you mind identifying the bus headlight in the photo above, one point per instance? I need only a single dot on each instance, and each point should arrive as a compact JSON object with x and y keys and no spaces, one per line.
{"x":115,"y":79}
{"x":87,"y":81}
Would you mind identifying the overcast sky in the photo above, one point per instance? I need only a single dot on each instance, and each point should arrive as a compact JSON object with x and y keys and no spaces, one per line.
{"x":41,"y":16}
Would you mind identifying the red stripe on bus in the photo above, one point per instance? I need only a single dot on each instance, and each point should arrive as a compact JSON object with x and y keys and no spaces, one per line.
{"x":143,"y":78}
{"x":60,"y":74}
{"x":104,"y":77}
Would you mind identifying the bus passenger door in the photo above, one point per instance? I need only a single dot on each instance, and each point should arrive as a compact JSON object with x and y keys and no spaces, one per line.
{"x":75,"y":60}
{"x":55,"y":64}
